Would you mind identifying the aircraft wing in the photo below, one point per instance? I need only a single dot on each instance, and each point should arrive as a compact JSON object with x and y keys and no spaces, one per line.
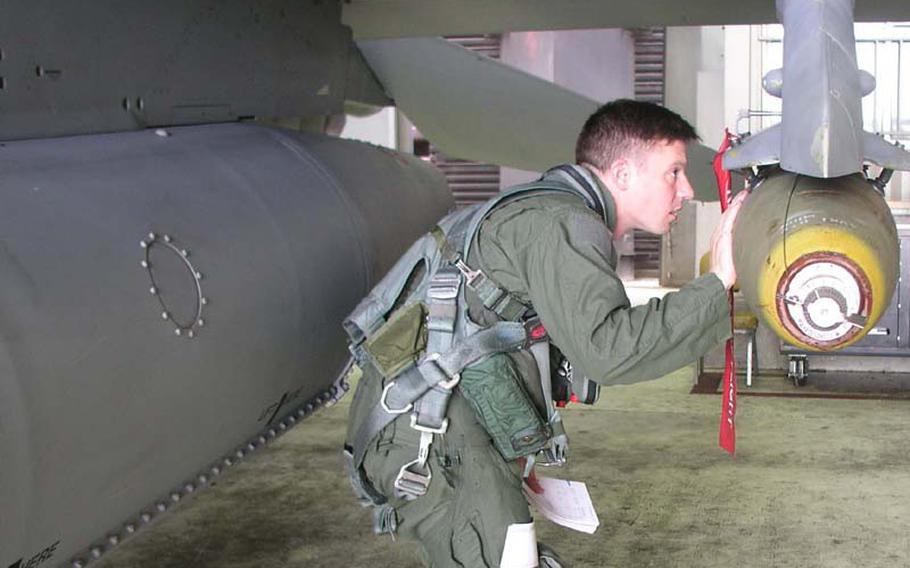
{"x":371,"y":19}
{"x":479,"y":109}
{"x":476,"y":108}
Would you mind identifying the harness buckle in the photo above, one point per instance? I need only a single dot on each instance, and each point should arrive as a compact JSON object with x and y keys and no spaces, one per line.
{"x":428,"y":429}
{"x":385,"y":404}
{"x":449,"y":385}
{"x":469,"y":275}
{"x":411,"y":482}
{"x":452,"y":381}
{"x":555,"y":455}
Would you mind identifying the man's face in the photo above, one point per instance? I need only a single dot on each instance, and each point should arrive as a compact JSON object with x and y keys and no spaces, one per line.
{"x":658,"y":186}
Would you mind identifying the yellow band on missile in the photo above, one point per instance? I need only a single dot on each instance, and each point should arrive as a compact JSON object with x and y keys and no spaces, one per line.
{"x":814,"y":239}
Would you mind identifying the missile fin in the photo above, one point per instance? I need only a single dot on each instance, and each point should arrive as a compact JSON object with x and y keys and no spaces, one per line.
{"x":878,"y":151}
{"x":757,"y":150}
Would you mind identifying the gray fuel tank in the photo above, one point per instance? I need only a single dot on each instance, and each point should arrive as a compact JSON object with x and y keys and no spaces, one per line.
{"x":166,"y":295}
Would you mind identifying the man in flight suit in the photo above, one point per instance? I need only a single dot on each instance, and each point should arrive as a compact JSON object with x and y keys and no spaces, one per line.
{"x":552,"y":251}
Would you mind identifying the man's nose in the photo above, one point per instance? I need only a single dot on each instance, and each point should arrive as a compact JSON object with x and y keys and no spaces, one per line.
{"x":684,"y":189}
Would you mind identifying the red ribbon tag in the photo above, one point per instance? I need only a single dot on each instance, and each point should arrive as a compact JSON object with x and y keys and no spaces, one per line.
{"x":728,"y":406}
{"x":538,"y":332}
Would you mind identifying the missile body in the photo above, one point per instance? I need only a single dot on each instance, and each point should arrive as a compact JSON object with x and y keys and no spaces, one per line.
{"x":817,"y":259}
{"x":817,"y":249}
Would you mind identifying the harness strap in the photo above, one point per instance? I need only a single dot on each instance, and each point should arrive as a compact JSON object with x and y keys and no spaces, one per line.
{"x":442,"y":373}
{"x":366,"y":493}
{"x":445,"y":369}
{"x":493,"y":297}
{"x":373,"y":423}
{"x":429,"y":416}
{"x":559,"y":442}
{"x":442,"y":309}
{"x":500,"y":301}
{"x":399,"y":396}
{"x":430,"y":411}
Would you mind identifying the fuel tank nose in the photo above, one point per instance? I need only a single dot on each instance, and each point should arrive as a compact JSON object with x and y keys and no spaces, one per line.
{"x":817,"y":259}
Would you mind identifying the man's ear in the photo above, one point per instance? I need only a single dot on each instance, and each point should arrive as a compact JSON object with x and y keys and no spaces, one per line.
{"x":621,"y":171}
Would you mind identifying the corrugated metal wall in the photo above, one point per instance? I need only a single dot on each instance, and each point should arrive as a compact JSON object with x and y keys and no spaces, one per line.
{"x":650,"y":56}
{"x":471,"y":182}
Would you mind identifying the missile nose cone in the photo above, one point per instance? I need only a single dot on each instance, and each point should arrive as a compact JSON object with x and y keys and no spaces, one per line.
{"x":821,"y":297}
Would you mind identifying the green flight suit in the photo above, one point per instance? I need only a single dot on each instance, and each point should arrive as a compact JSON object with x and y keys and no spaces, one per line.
{"x":556,"y":254}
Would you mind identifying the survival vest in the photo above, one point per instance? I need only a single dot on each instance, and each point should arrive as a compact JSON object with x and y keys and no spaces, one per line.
{"x":414,"y":328}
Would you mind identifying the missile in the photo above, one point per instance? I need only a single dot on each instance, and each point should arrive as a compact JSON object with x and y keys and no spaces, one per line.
{"x":816,"y":248}
{"x":822,"y":269}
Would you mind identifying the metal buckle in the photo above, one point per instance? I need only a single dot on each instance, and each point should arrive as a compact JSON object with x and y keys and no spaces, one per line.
{"x":551,"y":458}
{"x":429,"y":429}
{"x":449,"y":384}
{"x":470,"y":275}
{"x":555,"y":453}
{"x":385,"y":405}
{"x":412,"y":483}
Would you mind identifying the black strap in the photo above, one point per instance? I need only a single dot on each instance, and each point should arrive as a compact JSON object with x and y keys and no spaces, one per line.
{"x":585,"y":185}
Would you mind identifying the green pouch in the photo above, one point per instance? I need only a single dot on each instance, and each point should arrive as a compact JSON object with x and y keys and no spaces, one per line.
{"x":400,"y":341}
{"x":497,"y":393}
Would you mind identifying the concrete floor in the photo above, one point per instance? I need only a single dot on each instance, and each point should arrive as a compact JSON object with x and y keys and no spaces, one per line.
{"x":815,"y":483}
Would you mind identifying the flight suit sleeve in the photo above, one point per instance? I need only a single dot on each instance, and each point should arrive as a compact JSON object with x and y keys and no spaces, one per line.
{"x":583,"y":304}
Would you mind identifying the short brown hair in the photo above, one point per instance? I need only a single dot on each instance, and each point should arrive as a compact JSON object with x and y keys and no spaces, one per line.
{"x":623,"y":126}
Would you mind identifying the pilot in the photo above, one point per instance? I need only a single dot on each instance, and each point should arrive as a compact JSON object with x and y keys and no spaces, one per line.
{"x":465,"y":342}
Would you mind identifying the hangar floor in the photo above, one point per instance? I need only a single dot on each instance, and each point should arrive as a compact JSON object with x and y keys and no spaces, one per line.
{"x":814,"y":483}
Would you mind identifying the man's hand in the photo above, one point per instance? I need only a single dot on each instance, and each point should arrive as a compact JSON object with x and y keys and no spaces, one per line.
{"x":531,"y":479}
{"x":722,"y":243}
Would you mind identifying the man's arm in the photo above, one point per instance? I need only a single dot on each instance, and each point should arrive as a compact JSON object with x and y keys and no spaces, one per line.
{"x":583,"y":305}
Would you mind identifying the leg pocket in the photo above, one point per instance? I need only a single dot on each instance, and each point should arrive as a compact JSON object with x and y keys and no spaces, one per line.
{"x":488,"y":500}
{"x":468,"y":544}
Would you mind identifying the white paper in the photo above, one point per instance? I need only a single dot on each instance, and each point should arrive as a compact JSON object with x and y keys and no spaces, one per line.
{"x":520,"y":550}
{"x":566,"y":503}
